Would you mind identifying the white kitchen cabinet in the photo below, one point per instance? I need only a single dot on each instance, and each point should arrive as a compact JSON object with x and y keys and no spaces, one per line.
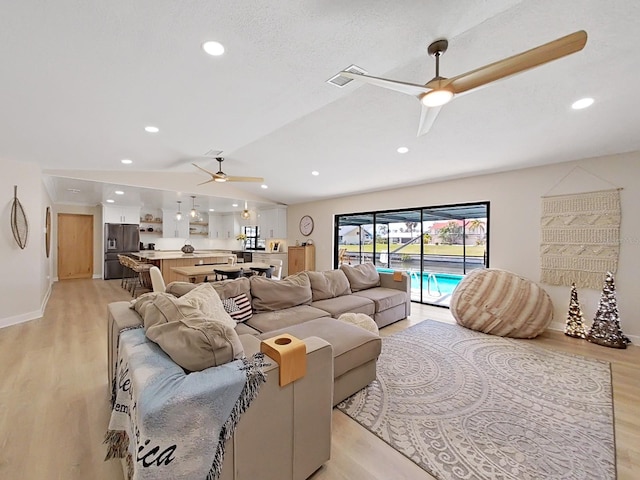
{"x":215,"y":226}
{"x":120,"y":214}
{"x":172,"y":228}
{"x":230,"y":226}
{"x":224,"y":226}
{"x":273,"y":222}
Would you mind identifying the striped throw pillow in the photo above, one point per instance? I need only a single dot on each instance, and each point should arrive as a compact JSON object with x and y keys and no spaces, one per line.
{"x":238,"y":308}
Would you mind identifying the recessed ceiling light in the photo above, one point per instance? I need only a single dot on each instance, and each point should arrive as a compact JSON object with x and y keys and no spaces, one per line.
{"x":212,"y":209}
{"x":264,"y":186}
{"x":213,"y":48}
{"x":582,"y":103}
{"x":151,"y":129}
{"x":402,"y":150}
{"x":234,"y":204}
{"x":110,"y":201}
{"x":126,"y":161}
{"x":119,"y":192}
{"x":315,"y":173}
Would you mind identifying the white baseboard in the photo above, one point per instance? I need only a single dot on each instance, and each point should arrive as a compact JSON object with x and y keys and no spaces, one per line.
{"x":26,"y":317}
{"x":558,"y":326}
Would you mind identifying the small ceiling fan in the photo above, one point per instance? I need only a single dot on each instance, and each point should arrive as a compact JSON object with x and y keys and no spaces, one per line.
{"x":440,"y":90}
{"x":220,"y":176}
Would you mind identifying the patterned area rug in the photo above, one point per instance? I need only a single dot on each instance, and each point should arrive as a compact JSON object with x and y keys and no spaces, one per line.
{"x":466,"y":405}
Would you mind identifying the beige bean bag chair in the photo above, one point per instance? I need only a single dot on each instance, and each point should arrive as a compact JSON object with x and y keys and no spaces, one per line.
{"x":501,"y":303}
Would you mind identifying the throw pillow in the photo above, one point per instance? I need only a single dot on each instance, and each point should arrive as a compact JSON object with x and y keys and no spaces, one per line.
{"x":361,"y":276}
{"x":205,"y":298}
{"x":238,"y":307}
{"x":179,"y":289}
{"x":329,"y":284}
{"x":192,"y":340}
{"x":269,"y":295}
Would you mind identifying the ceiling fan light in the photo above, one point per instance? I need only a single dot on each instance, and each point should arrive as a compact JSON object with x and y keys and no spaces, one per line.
{"x":436,"y":98}
{"x":220,"y":179}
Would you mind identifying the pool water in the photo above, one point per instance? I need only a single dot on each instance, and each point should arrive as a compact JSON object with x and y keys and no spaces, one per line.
{"x":434,"y":284}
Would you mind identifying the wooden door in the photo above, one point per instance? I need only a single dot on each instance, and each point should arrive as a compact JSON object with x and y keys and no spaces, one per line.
{"x":75,"y":246}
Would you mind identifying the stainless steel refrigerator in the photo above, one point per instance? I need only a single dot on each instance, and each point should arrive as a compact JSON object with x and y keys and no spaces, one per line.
{"x":119,"y":238}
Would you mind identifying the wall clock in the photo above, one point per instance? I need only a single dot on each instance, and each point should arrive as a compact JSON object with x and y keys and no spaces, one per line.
{"x":306,"y":225}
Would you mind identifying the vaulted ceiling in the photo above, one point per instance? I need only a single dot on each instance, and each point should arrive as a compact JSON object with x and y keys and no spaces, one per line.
{"x":80,"y":81}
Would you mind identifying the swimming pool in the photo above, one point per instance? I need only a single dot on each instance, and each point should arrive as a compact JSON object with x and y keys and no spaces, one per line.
{"x":434,"y":284}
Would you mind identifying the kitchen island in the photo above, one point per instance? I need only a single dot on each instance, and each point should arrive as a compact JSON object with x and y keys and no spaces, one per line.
{"x":165,"y":260}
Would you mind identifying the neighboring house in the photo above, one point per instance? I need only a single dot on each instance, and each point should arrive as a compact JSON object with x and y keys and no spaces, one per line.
{"x":351,"y":235}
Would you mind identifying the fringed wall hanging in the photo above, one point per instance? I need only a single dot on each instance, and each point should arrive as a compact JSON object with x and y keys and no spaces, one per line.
{"x":580,"y":237}
{"x":19,"y":224}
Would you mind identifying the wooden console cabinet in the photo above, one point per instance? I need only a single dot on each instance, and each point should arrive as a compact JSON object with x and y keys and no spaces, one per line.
{"x":301,"y":258}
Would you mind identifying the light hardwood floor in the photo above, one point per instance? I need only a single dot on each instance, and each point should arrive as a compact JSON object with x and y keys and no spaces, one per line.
{"x":54,"y":405}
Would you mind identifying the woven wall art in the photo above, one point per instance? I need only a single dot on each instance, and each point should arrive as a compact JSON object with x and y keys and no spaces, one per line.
{"x":580,"y":238}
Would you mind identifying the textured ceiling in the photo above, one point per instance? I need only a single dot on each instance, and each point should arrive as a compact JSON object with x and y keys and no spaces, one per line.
{"x":80,"y":80}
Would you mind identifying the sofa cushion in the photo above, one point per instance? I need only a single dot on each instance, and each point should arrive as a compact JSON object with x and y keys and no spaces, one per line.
{"x":271,"y":295}
{"x":384,"y":298}
{"x":192,"y":340}
{"x":202,"y":298}
{"x":361,"y":276}
{"x":267,"y":321}
{"x":329,"y":284}
{"x":232,"y":288}
{"x":238,"y":307}
{"x":352,"y":346}
{"x":205,"y":298}
{"x":179,"y":289}
{"x":347,"y":303}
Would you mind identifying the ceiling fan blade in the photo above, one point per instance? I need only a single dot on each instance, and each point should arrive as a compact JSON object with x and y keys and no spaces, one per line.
{"x":204,"y":170}
{"x":427,"y":117}
{"x":540,"y":55}
{"x":245,"y":179}
{"x":208,"y":181}
{"x":402,"y":87}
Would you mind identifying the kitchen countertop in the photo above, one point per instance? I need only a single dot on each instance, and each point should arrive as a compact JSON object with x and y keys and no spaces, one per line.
{"x":175,"y":254}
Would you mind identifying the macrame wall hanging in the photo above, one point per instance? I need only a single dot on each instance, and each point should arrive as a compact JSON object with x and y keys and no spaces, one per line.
{"x":580,"y":237}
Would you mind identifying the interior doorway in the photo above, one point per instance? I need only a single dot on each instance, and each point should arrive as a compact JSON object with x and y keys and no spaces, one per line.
{"x":75,"y":246}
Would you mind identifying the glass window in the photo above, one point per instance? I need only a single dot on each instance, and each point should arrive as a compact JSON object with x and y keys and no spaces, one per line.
{"x":252,"y":233}
{"x":436,"y":246}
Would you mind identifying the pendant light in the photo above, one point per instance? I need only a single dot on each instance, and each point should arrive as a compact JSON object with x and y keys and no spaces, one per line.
{"x":194,"y":212}
{"x":179,"y":214}
{"x":245,"y":213}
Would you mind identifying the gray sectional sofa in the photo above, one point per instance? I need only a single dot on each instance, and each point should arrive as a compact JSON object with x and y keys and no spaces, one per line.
{"x":307,"y":306}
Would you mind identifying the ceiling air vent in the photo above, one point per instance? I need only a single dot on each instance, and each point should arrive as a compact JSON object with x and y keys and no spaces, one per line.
{"x":213,"y":153}
{"x":340,"y":81}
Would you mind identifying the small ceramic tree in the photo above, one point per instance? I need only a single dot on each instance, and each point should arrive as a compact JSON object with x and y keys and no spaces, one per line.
{"x":575,"y":321}
{"x":606,"y":324}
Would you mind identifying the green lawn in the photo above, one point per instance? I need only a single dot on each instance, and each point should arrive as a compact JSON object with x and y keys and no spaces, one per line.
{"x":414,"y":249}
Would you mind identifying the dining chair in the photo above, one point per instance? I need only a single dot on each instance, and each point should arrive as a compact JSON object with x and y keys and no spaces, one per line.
{"x":277,"y":269}
{"x":157,"y":281}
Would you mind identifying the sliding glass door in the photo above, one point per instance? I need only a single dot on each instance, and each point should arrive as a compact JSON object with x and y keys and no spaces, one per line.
{"x":435,"y":246}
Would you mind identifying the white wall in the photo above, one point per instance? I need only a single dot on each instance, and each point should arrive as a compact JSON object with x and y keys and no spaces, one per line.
{"x":26,"y":279}
{"x":515,"y":199}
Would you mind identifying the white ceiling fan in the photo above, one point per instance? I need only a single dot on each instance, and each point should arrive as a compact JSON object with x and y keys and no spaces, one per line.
{"x":440,"y":90}
{"x":220,"y":176}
